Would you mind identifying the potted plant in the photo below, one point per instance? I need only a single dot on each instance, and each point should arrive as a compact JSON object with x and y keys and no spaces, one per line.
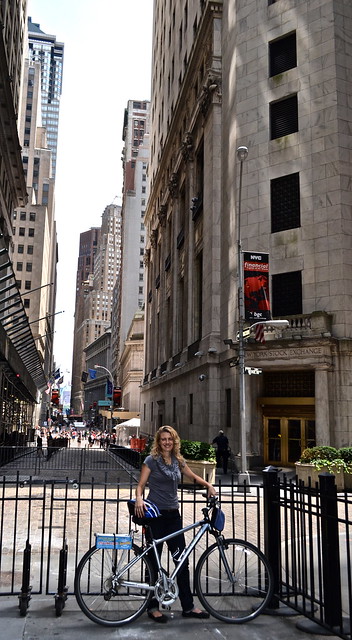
{"x":200,"y":457}
{"x":315,"y":460}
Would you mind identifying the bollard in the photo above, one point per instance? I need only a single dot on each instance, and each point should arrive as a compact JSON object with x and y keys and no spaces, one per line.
{"x":272,"y":540}
{"x":331,"y":551}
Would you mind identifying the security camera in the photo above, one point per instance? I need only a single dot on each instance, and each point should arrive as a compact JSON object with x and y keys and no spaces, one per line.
{"x":202,"y":377}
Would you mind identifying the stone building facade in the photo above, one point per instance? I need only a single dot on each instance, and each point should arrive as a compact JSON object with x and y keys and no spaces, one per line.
{"x":272,"y":76}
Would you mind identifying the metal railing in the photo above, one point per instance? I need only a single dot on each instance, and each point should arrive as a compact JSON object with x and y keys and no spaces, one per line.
{"x":304,"y":531}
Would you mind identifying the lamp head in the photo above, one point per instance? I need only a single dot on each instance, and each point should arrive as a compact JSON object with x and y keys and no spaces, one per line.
{"x":242,"y":153}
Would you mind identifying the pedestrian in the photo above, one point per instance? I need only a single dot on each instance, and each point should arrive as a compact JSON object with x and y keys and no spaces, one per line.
{"x":222,"y":450}
{"x":39,"y":446}
{"x":162,"y":471}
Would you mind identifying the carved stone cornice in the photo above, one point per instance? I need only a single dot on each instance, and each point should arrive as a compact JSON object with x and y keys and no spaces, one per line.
{"x":146,"y":257}
{"x":154,"y":238}
{"x":210,"y":89}
{"x":162,"y":213}
{"x":173,"y":185}
{"x":187,"y":147}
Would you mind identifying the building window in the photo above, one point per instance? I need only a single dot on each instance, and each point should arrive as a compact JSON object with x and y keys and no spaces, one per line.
{"x":283,"y":117}
{"x":140,"y":290}
{"x":282,"y":54}
{"x":22,"y":215}
{"x":20,"y":248}
{"x":32,"y":216}
{"x":18,"y":284}
{"x":31,"y":232}
{"x":30,"y":249}
{"x":26,"y":303}
{"x":29,"y":266}
{"x":285,"y":203}
{"x":287,"y":294}
{"x":27,"y":285}
{"x":21,"y":231}
{"x":19,"y":266}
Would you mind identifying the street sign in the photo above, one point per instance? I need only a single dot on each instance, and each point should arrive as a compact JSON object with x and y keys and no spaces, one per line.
{"x":253,"y":371}
{"x":104,"y":403}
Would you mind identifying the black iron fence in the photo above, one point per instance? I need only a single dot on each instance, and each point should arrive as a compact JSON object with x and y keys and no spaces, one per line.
{"x":46,"y":527}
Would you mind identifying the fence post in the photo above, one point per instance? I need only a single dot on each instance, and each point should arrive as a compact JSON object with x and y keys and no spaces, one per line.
{"x":272,"y":541}
{"x":331,"y":551}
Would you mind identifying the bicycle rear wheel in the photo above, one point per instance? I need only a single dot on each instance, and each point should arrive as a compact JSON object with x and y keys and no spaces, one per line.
{"x":101,"y":597}
{"x":242,"y":596}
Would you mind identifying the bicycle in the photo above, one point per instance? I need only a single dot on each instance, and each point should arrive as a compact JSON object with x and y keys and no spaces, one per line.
{"x":114,"y":580}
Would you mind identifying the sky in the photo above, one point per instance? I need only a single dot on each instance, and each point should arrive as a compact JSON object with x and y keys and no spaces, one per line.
{"x":107,"y":61}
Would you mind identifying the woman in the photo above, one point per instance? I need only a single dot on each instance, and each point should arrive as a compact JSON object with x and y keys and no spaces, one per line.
{"x":162,"y":471}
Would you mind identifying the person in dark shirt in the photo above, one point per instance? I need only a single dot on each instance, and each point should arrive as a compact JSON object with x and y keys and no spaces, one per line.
{"x":222,"y":450}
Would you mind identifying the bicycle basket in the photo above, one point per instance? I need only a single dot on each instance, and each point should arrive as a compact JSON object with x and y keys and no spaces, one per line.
{"x":151,"y":512}
{"x":217,"y":518}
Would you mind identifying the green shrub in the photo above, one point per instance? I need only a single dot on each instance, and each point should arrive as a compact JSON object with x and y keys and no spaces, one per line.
{"x":194,"y":450}
{"x":311,"y":454}
{"x":345,"y":453}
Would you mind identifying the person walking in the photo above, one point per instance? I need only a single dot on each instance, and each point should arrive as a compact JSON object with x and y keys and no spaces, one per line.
{"x":162,"y":471}
{"x":39,"y":446}
{"x":222,"y":450}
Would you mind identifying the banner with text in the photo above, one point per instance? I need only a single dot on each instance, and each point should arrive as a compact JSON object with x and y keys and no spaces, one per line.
{"x":256,"y":286}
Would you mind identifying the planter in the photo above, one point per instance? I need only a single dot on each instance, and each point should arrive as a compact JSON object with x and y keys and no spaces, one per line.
{"x":203,"y":468}
{"x":304,"y":471}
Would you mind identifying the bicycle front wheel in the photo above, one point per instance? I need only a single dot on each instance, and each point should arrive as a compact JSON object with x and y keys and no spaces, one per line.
{"x":233,"y":581}
{"x":100,"y":593}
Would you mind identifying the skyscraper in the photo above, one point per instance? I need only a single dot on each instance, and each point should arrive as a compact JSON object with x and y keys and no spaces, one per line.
{"x":44,"y":48}
{"x":100,"y":251}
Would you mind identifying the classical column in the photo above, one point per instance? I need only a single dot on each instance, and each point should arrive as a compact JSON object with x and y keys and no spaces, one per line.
{"x":322,"y":415}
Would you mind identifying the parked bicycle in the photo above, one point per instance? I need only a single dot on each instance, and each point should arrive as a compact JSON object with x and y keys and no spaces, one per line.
{"x":115,"y":579}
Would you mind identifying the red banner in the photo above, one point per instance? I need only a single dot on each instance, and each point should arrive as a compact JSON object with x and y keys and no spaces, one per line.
{"x":256,"y":286}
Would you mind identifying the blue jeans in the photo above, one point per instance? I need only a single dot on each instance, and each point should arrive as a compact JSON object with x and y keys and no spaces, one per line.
{"x":169,"y":522}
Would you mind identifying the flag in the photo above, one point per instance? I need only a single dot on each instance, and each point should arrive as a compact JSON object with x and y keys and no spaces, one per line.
{"x":92,"y":374}
{"x":57,"y":374}
{"x":259,"y":333}
{"x":60,"y":380}
{"x":48,"y":389}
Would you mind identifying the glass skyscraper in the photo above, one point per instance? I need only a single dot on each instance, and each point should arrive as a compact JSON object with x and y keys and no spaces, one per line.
{"x":43,"y":48}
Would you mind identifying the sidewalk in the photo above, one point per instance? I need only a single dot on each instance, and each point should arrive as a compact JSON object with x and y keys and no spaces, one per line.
{"x":40,"y":623}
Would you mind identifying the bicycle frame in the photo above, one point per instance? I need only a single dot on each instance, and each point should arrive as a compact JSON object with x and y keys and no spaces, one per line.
{"x":204,"y":526}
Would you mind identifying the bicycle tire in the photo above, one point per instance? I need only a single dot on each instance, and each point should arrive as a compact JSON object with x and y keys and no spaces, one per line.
{"x":245,"y":598}
{"x":93,"y":581}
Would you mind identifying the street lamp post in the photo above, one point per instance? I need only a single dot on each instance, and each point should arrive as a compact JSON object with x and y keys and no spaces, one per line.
{"x":99,"y":366}
{"x":242,"y":153}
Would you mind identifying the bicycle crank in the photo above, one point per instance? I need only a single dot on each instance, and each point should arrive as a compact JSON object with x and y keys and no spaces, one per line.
{"x":166,"y":591}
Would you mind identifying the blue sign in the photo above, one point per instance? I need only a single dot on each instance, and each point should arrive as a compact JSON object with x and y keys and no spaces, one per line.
{"x":104,"y":403}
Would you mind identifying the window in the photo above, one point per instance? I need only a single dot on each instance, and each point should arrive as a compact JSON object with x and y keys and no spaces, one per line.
{"x":29,"y":266}
{"x":283,"y":117}
{"x":282,"y":54}
{"x":14,"y":215}
{"x":18,"y":284}
{"x":140,"y":290}
{"x":285,"y":203}
{"x":26,"y":303}
{"x":287,"y":294}
{"x":32,"y":216}
{"x":30,"y":249}
{"x":31,"y":232}
{"x":19,"y":266}
{"x":22,"y":231}
{"x":27,"y":285}
{"x":20,"y":248}
{"x":22,"y":215}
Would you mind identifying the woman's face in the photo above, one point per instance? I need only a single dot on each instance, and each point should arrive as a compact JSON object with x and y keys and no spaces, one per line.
{"x":166,"y":442}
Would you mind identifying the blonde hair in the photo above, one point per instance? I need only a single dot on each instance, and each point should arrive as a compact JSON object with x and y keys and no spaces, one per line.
{"x":156,"y":450}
